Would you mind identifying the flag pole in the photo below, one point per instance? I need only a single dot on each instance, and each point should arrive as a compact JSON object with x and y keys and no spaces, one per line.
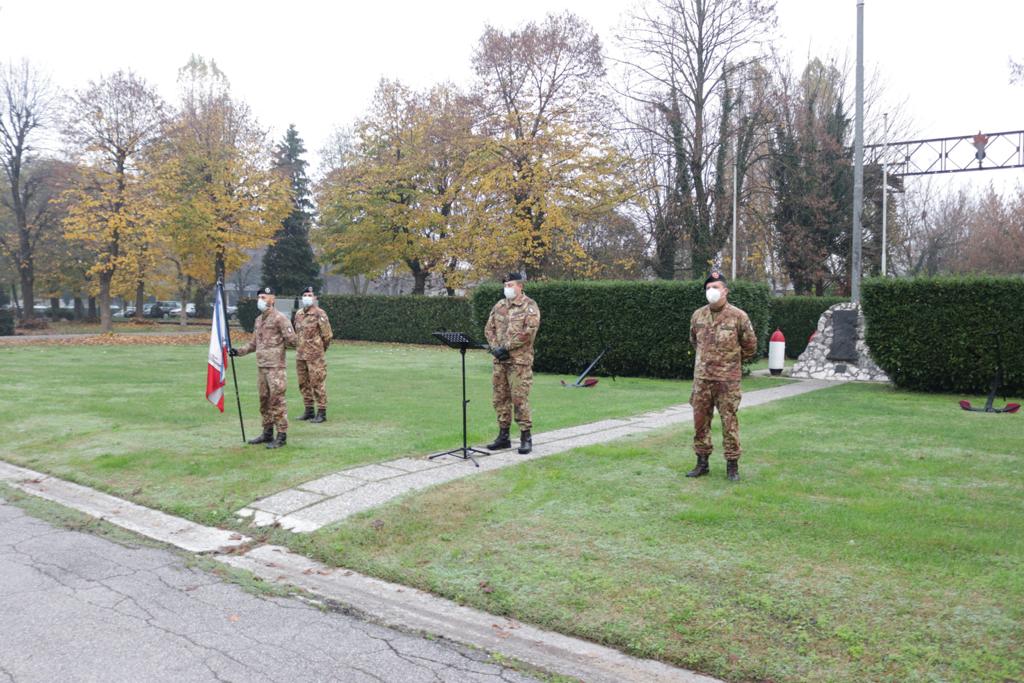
{"x":227,"y":330}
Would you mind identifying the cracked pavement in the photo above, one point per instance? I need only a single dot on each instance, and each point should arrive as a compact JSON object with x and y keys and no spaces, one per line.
{"x":75,"y":606}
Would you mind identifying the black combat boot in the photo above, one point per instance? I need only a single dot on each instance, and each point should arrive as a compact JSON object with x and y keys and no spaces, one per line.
{"x":321,"y":416}
{"x":702,"y":467}
{"x":732,"y":470}
{"x":281,"y":440}
{"x":265,"y":437}
{"x":525,"y":442}
{"x":308,"y":415}
{"x":500,"y":441}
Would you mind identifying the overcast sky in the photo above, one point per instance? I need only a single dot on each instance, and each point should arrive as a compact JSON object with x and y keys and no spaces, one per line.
{"x":315,"y":64}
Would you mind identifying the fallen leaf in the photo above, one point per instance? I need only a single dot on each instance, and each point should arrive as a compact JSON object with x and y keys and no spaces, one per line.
{"x":235,"y":537}
{"x":234,"y":617}
{"x":377,"y":524}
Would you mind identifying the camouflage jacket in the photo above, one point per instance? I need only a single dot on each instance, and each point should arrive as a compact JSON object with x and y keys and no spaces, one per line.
{"x":314,"y":331}
{"x":722,"y":340}
{"x":514,"y":324}
{"x":272,"y":333}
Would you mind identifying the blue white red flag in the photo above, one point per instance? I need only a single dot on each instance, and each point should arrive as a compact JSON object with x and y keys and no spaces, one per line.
{"x":216,"y":369}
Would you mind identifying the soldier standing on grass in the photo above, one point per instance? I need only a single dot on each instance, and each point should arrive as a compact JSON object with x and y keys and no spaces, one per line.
{"x":272,"y":333}
{"x":314,"y":332}
{"x":511,"y":328}
{"x":723,"y":338}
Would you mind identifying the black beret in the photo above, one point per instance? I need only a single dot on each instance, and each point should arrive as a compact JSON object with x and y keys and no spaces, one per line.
{"x":715,"y":276}
{"x":266,"y":290}
{"x":512,"y":277}
{"x":308,"y":290}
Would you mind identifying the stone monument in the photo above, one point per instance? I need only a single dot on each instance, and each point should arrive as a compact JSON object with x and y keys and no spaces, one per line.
{"x":838,"y":350}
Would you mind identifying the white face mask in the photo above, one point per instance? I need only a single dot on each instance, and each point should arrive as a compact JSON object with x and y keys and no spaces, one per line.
{"x":713,"y":294}
{"x":510,"y":292}
{"x":307,"y":301}
{"x":261,"y":304}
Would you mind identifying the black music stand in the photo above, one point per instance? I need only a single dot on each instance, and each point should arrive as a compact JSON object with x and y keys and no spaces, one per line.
{"x":460,"y":341}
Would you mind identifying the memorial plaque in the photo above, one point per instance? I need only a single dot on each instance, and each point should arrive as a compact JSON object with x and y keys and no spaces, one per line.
{"x":844,"y":336}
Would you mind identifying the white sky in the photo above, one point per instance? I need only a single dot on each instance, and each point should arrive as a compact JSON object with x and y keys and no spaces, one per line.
{"x":315,"y":64}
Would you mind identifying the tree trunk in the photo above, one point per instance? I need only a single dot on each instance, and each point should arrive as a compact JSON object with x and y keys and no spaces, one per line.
{"x":106,"y":324}
{"x":420,"y":282}
{"x":92,"y":308}
{"x":79,"y":308}
{"x":186,"y":294}
{"x":54,"y":305}
{"x":140,"y":297}
{"x":27,"y":291}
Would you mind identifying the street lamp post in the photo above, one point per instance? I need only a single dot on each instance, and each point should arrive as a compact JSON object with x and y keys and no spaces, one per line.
{"x":858,"y":167}
{"x":885,"y":185}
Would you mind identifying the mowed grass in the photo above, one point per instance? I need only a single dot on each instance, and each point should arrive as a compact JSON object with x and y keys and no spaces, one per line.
{"x":134,"y":421}
{"x":877,"y":535}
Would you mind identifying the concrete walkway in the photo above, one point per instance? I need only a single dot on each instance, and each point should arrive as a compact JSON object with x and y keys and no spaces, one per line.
{"x":337,"y":496}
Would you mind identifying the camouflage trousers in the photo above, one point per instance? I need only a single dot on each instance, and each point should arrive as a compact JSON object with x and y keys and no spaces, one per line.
{"x":312,"y":381}
{"x":511,"y":385}
{"x":272,"y":383}
{"x":708,"y":395}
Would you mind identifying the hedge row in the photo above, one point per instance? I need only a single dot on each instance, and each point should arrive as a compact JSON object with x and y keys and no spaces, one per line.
{"x":6,"y":323}
{"x":797,"y":317}
{"x":405,"y":319}
{"x":937,"y":334}
{"x":647,"y":324}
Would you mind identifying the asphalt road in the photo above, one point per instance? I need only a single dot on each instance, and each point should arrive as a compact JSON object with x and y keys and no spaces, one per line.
{"x":78,"y":607}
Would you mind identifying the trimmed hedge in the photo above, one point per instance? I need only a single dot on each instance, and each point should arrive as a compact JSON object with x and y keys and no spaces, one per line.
{"x":405,"y":319}
{"x":797,"y":317}
{"x":934,"y":334}
{"x":408,"y":319}
{"x":646,"y":323}
{"x":6,"y":323}
{"x":247,"y":313}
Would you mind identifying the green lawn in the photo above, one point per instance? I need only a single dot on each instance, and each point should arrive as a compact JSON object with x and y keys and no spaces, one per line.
{"x":877,"y":535}
{"x":134,"y":421}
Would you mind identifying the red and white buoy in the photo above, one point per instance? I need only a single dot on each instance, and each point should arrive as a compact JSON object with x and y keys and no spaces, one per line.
{"x":777,"y":353}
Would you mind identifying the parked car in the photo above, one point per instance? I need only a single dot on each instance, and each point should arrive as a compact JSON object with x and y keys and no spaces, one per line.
{"x":154,"y":310}
{"x":190,"y":311}
{"x":232,"y":311}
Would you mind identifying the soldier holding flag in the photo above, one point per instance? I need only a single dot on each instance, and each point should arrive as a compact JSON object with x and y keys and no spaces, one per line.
{"x":273,"y":332}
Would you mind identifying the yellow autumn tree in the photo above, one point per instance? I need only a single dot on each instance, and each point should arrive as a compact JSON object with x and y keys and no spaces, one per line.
{"x":396,"y":192}
{"x":108,"y":127}
{"x":550,"y":165}
{"x":214,"y":178}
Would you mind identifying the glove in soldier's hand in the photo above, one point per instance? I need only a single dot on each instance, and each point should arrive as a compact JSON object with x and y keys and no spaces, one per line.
{"x":500,"y":352}
{"x":232,"y":352}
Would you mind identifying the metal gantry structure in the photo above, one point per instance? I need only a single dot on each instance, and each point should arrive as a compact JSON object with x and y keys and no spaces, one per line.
{"x":980,"y":152}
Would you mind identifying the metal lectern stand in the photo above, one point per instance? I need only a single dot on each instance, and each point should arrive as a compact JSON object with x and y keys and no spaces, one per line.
{"x":460,"y":341}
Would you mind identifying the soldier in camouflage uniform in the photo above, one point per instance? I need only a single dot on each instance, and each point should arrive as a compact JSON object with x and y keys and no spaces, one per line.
{"x":511,"y":328}
{"x":314,"y":332}
{"x":272,"y":333}
{"x":723,"y":338}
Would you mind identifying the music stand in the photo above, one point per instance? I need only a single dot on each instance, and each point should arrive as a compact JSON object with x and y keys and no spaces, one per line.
{"x":460,"y":341}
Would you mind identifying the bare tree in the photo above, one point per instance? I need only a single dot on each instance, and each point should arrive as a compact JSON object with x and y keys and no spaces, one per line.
{"x":684,"y":60}
{"x":27,"y":106}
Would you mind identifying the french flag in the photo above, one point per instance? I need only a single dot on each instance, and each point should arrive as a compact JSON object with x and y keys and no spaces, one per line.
{"x":216,"y":368}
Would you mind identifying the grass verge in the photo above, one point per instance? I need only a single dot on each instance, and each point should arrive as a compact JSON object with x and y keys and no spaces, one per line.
{"x":877,"y":535}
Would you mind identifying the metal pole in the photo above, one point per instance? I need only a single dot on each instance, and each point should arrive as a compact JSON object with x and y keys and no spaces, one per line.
{"x":858,"y":163}
{"x":735,"y":190}
{"x":227,"y":330}
{"x":885,"y":185}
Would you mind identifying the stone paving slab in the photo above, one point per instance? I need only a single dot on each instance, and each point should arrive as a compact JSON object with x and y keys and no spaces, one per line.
{"x":332,"y":484}
{"x":287,"y":501}
{"x":362,"y":488}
